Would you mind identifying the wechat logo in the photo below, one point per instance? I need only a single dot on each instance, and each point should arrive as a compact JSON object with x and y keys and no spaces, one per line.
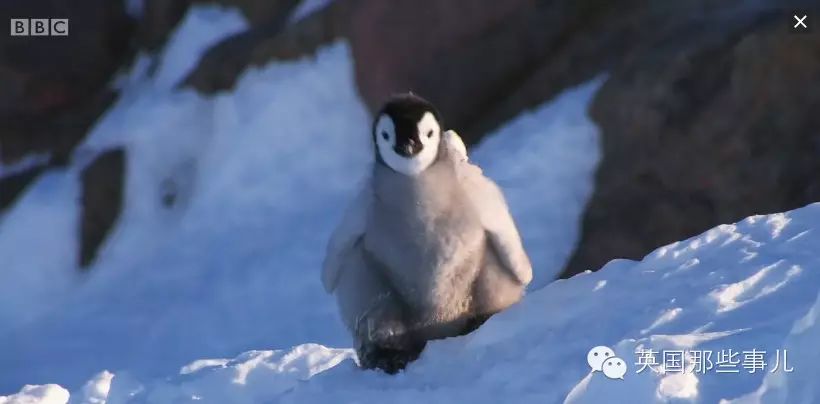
{"x":602,"y":359}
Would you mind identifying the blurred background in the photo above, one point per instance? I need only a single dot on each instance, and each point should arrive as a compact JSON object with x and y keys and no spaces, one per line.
{"x":704,"y":112}
{"x":708,"y":113}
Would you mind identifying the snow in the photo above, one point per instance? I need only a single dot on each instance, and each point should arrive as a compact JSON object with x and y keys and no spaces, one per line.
{"x":26,"y":163}
{"x":32,"y":283}
{"x":536,"y":351}
{"x":306,"y":8}
{"x":252,"y":377}
{"x":202,"y":27}
{"x":229,"y":203}
{"x":796,"y":387}
{"x":96,"y":390}
{"x":46,"y":394}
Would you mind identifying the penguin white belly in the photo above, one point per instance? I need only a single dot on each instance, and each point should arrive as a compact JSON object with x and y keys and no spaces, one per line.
{"x":431,"y":265}
{"x":430,"y":243}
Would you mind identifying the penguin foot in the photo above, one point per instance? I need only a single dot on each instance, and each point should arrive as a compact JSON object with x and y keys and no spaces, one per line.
{"x":475,"y":322}
{"x":390,"y":358}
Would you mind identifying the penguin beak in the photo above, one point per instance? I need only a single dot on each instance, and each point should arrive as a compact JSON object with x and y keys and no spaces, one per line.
{"x":409,"y":149}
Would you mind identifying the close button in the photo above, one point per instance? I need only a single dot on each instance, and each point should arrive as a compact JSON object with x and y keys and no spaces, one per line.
{"x":800,"y":21}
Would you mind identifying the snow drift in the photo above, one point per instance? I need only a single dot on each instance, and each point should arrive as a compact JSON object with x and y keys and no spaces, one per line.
{"x":750,"y":285}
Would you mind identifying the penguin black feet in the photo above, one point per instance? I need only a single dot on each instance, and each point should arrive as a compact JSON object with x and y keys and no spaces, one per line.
{"x":474,"y":322}
{"x":384,"y":340}
{"x":390,"y":358}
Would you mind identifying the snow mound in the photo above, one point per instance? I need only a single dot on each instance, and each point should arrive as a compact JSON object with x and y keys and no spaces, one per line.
{"x":46,"y":394}
{"x":750,"y":285}
{"x":252,"y":377}
{"x":796,"y":387}
{"x":96,"y":390}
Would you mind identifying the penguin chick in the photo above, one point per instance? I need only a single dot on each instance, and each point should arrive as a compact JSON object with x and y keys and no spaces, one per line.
{"x":428,"y":249}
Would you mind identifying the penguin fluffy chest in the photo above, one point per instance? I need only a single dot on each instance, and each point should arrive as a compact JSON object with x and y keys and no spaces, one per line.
{"x":427,"y":238}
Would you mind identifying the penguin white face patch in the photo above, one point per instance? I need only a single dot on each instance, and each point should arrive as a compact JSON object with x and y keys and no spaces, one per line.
{"x":408,"y":153}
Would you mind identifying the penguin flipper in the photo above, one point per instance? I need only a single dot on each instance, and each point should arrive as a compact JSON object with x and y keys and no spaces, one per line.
{"x":349,"y":231}
{"x":454,"y":145}
{"x":502,"y":233}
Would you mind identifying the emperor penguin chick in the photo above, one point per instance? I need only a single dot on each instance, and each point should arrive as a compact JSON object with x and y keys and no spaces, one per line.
{"x":428,"y":249}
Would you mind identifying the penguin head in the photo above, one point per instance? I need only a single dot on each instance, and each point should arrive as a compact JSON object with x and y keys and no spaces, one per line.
{"x":407,"y":133}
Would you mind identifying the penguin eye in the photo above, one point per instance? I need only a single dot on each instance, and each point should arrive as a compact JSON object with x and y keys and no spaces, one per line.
{"x":385,"y":136}
{"x":430,"y":133}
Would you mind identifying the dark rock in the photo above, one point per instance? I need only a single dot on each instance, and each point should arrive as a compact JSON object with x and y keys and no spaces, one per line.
{"x":465,"y":58}
{"x":699,"y":130}
{"x":259,"y":12}
{"x":53,"y":85}
{"x":54,"y":133}
{"x":54,"y":88}
{"x":482,"y":66}
{"x":460,"y":56}
{"x":101,"y":202}
{"x":12,"y":185}
{"x":222,"y":64}
{"x":159,"y":18}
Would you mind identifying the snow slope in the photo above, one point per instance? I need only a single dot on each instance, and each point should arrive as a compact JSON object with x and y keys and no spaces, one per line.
{"x":229,"y":203}
{"x":751,"y":285}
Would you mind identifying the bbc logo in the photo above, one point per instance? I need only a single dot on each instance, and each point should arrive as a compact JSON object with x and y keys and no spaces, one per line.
{"x":39,"y":27}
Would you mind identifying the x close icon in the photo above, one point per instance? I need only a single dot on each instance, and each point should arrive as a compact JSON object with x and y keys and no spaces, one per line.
{"x":801,"y":21}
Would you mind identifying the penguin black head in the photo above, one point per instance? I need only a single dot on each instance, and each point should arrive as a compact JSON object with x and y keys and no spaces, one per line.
{"x":407,"y":132}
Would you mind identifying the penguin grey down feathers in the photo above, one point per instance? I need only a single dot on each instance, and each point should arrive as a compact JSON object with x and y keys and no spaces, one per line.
{"x":428,"y":248}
